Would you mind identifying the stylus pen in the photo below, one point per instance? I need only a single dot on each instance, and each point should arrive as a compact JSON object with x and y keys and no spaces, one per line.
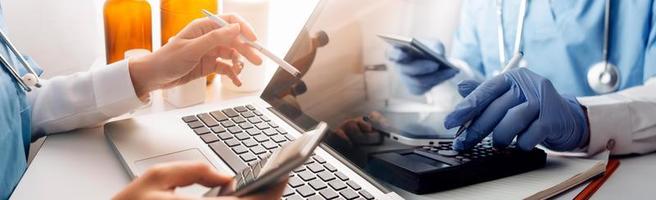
{"x":282,"y":63}
{"x":514,"y":62}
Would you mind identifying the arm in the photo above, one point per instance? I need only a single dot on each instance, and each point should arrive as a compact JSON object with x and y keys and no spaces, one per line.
{"x":627,"y":118}
{"x":83,"y":99}
{"x":89,"y":98}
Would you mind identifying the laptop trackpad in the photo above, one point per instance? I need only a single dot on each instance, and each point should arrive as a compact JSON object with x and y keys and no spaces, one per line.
{"x":185,"y":155}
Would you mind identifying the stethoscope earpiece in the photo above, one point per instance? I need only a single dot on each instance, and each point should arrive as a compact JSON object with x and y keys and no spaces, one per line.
{"x":31,"y":80}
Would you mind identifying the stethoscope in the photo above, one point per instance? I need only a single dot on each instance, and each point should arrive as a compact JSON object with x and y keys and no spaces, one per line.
{"x":30,"y":79}
{"x":603,"y":77}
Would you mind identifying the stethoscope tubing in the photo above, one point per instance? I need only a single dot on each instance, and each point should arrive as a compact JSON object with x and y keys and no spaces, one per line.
{"x":608,"y":67}
{"x":21,"y":59}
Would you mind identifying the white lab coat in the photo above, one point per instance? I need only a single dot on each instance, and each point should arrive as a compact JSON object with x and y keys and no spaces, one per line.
{"x":83,"y":99}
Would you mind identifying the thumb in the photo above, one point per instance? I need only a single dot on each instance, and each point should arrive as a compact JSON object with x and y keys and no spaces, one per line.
{"x":218,"y":37}
{"x":467,"y":86}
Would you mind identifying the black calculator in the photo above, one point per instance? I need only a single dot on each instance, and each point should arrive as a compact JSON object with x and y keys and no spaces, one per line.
{"x":428,"y":169}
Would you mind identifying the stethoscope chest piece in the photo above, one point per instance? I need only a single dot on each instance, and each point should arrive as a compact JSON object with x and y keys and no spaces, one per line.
{"x":604,"y":78}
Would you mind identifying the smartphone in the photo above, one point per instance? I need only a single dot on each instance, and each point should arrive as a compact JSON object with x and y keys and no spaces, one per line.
{"x":269,"y":171}
{"x":417,"y":47}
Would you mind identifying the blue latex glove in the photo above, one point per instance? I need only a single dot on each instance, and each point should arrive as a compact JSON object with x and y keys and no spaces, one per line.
{"x":418,"y":73}
{"x":519,"y":104}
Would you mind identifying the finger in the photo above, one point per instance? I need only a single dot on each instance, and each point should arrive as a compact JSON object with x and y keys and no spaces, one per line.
{"x":419,"y":85}
{"x":352,"y":129}
{"x":237,"y":65}
{"x":489,"y":118}
{"x":516,"y":120}
{"x":250,"y":54}
{"x":477,"y":101}
{"x":224,"y":36}
{"x":365,"y":126}
{"x":466,"y":87}
{"x":230,"y":72}
{"x":536,"y":133}
{"x":419,"y":67}
{"x":172,"y":175}
{"x":246,"y":29}
{"x":401,"y":55}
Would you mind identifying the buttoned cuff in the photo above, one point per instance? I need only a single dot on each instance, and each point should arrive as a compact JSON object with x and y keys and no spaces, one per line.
{"x":113,"y":89}
{"x":608,"y":119}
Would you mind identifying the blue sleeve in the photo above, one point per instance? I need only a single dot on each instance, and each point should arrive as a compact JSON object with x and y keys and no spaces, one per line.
{"x":466,"y":44}
{"x":650,"y":51}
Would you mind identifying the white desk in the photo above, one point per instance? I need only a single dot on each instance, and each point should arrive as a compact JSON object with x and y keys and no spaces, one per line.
{"x":82,"y":165}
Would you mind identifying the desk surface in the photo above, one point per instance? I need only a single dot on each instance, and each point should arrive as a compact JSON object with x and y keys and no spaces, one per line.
{"x":82,"y":165}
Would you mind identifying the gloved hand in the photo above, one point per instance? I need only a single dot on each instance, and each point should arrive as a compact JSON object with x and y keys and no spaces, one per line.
{"x":419,"y":74}
{"x":519,"y":104}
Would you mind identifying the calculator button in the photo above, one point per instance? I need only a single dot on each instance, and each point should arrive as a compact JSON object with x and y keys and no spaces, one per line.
{"x":448,"y":153}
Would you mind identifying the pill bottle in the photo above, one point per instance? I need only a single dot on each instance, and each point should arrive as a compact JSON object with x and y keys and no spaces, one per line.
{"x":128,"y":26}
{"x":176,"y":14}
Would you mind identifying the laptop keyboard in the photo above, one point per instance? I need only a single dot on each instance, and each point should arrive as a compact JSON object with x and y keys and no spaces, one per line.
{"x":242,"y":136}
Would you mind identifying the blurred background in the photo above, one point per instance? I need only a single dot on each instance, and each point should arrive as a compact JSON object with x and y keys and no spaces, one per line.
{"x":66,"y":36}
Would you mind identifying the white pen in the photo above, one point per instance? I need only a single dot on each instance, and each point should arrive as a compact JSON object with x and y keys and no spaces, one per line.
{"x":514,"y":62}
{"x":282,"y":63}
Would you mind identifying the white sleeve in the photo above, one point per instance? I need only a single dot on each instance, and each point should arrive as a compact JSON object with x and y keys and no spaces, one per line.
{"x":83,"y":99}
{"x":623,"y":122}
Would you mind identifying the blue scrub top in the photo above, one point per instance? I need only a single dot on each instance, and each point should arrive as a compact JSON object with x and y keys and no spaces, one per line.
{"x":562,"y":39}
{"x":15,"y":116}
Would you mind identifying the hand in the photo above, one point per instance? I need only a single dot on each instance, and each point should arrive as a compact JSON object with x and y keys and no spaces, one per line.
{"x":519,"y":104}
{"x":197,"y":51}
{"x":419,"y":74}
{"x":160,"y":181}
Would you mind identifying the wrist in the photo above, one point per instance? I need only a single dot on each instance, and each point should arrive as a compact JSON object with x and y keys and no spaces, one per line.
{"x":142,"y":77}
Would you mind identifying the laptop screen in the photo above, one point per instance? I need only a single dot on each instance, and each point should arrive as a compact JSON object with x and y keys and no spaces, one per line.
{"x":346,"y":80}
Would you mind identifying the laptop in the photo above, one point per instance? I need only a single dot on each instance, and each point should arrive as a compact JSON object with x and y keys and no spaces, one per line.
{"x":333,"y":47}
